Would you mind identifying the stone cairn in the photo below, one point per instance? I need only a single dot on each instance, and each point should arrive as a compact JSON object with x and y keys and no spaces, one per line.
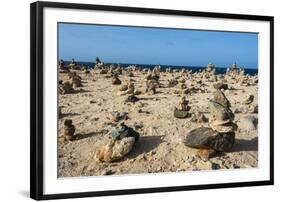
{"x":75,"y":80}
{"x":68,"y":130}
{"x":116,"y":80}
{"x":151,"y":86}
{"x":120,"y":143}
{"x":66,"y":87}
{"x":127,"y":89}
{"x":221,"y":117}
{"x":182,"y":88}
{"x":183,"y":110}
{"x":221,"y":134}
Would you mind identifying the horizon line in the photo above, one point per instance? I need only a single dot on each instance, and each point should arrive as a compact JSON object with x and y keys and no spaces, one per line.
{"x":163,"y":64}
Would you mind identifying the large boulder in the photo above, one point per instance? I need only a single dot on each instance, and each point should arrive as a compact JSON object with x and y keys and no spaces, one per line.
{"x":206,"y":138}
{"x":114,"y":149}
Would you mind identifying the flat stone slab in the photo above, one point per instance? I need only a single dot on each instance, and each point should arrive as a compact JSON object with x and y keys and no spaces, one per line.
{"x":206,"y":138}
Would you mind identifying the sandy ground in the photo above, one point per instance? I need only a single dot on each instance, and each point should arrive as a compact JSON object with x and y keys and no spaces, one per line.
{"x":160,"y":147}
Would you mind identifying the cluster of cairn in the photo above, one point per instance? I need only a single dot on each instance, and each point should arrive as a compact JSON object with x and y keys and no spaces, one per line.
{"x":221,"y":134}
{"x":128,"y":88}
{"x":121,"y":141}
{"x":65,"y":68}
{"x":238,"y":76}
{"x":248,"y":105}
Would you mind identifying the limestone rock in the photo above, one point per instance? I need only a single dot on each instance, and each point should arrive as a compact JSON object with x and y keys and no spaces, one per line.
{"x":220,"y":98}
{"x":114,"y":149}
{"x":204,"y":165}
{"x":220,"y":114}
{"x":224,"y":128}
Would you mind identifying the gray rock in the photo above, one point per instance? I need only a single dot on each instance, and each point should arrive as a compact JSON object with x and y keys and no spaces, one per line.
{"x":132,"y":98}
{"x":206,"y":138}
{"x":123,"y":131}
{"x":220,"y":114}
{"x":181,"y":114}
{"x":220,"y":98}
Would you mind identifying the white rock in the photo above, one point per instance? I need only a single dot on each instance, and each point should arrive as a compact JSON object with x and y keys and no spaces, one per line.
{"x":248,"y":123}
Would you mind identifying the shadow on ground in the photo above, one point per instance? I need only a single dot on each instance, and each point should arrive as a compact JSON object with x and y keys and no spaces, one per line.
{"x":145,"y":144}
{"x":245,"y":145}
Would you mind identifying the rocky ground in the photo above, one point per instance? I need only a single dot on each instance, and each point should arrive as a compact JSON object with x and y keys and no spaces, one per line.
{"x":160,"y":147}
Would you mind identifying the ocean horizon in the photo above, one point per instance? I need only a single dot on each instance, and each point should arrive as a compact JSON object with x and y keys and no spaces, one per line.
{"x":219,"y":70}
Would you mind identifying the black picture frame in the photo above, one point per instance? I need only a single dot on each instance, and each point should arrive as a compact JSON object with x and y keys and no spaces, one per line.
{"x":36,"y":99}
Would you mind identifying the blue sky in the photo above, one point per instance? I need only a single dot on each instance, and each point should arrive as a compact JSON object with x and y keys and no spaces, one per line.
{"x":117,"y":44}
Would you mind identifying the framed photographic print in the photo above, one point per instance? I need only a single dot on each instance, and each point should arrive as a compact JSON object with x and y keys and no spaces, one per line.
{"x":136,"y":100}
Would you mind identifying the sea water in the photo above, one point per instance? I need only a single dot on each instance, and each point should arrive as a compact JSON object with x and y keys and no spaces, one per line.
{"x":219,"y":70}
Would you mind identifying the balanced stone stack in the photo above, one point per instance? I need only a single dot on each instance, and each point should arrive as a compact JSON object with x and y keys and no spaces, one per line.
{"x":66,"y":87}
{"x":183,"y":110}
{"x":221,"y":134}
{"x":76,"y":81}
{"x":221,"y":117}
{"x":116,"y":80}
{"x":120,"y":144}
{"x":129,"y":91}
{"x":68,"y":130}
{"x":151,"y":86}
